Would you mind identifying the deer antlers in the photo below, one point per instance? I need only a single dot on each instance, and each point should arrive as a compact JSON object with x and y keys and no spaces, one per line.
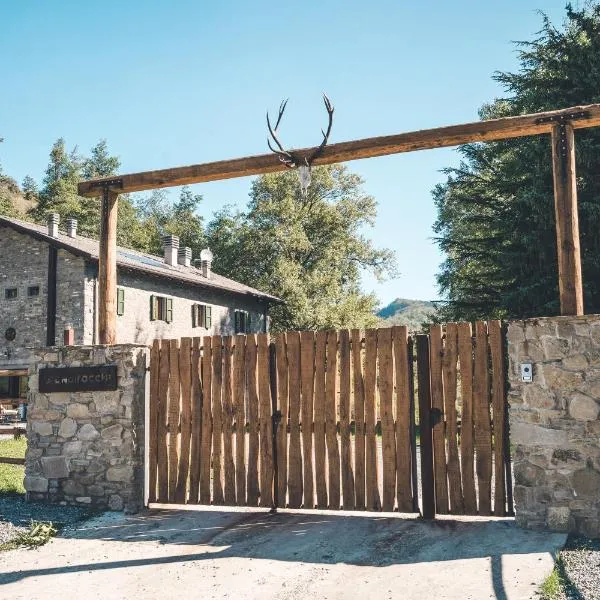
{"x":291,"y":159}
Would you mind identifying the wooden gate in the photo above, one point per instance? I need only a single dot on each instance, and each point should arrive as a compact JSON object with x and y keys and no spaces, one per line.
{"x":328,"y":419}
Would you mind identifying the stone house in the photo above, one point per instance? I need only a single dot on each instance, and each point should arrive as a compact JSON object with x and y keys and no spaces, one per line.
{"x":49,"y":296}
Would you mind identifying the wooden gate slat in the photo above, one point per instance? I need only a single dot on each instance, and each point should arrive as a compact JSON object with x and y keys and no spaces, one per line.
{"x":467,"y":455}
{"x":424,"y":392}
{"x":153,"y":418}
{"x":282,"y":404}
{"x":185,"y":378}
{"x":319,"y":418}
{"x":437,"y":404}
{"x":174,"y":401}
{"x":388,"y":441}
{"x":307,"y":368}
{"x":265,"y":421}
{"x":359,"y":419}
{"x":372,"y":467}
{"x":333,"y":451}
{"x":206,"y":441}
{"x":196,"y":422}
{"x":483,"y":433}
{"x":413,"y":425}
{"x":253,"y":439}
{"x":239,"y":402}
{"x":295,"y":452}
{"x":449,"y":376}
{"x":217,"y":411}
{"x":498,"y":405}
{"x":163,"y":403}
{"x":346,"y":447}
{"x":403,"y":438}
{"x":228,"y":464}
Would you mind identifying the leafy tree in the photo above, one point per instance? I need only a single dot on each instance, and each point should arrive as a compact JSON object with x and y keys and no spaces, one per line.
{"x":100,"y":163}
{"x":29,"y":188}
{"x":309,"y":251}
{"x":496,"y":210}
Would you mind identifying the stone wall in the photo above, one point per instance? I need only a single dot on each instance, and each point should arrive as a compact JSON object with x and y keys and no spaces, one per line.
{"x":87,"y":448}
{"x":554,"y":423}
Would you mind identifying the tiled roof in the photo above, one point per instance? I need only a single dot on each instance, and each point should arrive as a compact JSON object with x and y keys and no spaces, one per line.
{"x":137,"y":261}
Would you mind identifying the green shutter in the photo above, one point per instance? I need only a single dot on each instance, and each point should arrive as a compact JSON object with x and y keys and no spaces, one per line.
{"x":236,"y":319}
{"x":207,"y":317}
{"x":248,"y":323}
{"x":194,"y":315}
{"x":153,"y":308}
{"x":169,"y":311}
{"x":120,"y":301}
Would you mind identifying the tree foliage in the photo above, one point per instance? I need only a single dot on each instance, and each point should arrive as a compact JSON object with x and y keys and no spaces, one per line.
{"x":496,"y":210}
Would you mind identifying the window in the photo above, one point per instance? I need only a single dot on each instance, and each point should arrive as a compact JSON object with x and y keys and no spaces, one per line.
{"x":201,"y":316}
{"x":243,"y":321}
{"x":120,"y":301}
{"x":10,"y":293}
{"x":161,"y":309}
{"x":33,"y":291}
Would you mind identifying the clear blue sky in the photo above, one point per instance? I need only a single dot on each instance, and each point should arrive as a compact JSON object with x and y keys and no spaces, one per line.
{"x":184,"y":82}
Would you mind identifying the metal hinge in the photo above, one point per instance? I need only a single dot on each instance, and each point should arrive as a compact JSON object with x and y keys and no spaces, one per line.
{"x":117,"y":182}
{"x":562,"y":120}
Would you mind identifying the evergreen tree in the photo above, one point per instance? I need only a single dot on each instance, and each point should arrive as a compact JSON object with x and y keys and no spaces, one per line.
{"x":496,"y":210}
{"x":29,"y":188}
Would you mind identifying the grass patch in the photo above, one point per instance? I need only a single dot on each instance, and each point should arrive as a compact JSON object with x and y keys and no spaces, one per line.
{"x":11,"y":476}
{"x":38,"y":534}
{"x":552,"y":588}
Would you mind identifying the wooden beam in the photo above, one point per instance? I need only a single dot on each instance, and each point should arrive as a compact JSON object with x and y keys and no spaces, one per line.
{"x":453,"y":135}
{"x":107,"y":269}
{"x":567,"y":220}
{"x":13,"y":372}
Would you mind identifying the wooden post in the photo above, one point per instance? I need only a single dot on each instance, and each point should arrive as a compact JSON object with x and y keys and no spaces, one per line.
{"x":567,"y":220}
{"x":107,"y":269}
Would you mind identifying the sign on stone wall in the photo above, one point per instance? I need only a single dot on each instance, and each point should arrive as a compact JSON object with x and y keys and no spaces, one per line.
{"x":78,"y":379}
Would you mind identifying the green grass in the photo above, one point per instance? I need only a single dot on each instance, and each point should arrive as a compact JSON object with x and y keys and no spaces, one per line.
{"x":38,"y":534}
{"x":557,"y":585}
{"x":11,"y":476}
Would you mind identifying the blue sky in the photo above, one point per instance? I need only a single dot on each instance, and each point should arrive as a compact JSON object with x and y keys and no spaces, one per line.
{"x":184,"y":82}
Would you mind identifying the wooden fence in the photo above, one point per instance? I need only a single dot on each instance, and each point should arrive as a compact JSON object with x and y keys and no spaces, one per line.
{"x":327,"y":419}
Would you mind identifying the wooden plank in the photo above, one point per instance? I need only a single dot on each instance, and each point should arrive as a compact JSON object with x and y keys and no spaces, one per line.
{"x":483,"y":430}
{"x":359,"y":419}
{"x":252,"y":489}
{"x":388,"y":438}
{"x":403,"y":438}
{"x":465,"y":354}
{"x":228,"y":463}
{"x":239,"y":402}
{"x":307,"y":374}
{"x":319,"y":434}
{"x":173,"y":416}
{"x":413,"y":425}
{"x":449,"y":371}
{"x":372,"y":464}
{"x":567,"y":220}
{"x":266,"y":423}
{"x":206,"y":442}
{"x":185,"y":378}
{"x":217,"y":414}
{"x":453,"y":135}
{"x":439,"y":429}
{"x":14,"y":372}
{"x":345,"y":433}
{"x":498,"y":406}
{"x":295,"y":452}
{"x":107,"y":267}
{"x":426,"y":434}
{"x":282,"y":405}
{"x":163,"y":403}
{"x":331,"y":438}
{"x":196,"y":421}
{"x":9,"y":460}
{"x":153,"y":418}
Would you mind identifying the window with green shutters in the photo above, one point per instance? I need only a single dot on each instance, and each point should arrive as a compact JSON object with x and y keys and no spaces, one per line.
{"x":201,"y":316}
{"x":242,"y":321}
{"x":161,"y":309}
{"x":120,"y":301}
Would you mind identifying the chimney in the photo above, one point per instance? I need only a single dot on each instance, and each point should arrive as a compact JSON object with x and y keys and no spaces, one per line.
{"x":185,"y":256}
{"x":171,"y":245}
{"x":53,"y":221}
{"x":206,"y":258}
{"x":72,"y":227}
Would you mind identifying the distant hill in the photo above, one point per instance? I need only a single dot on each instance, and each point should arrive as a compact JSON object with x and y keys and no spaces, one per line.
{"x":411,"y":313}
{"x":10,"y":190}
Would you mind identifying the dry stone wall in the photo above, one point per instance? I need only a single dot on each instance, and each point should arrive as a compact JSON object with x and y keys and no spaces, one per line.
{"x":87,"y":448}
{"x":554,"y":423}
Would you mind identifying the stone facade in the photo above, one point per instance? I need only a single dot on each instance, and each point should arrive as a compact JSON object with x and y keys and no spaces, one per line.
{"x":87,"y":448}
{"x":554,"y":423}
